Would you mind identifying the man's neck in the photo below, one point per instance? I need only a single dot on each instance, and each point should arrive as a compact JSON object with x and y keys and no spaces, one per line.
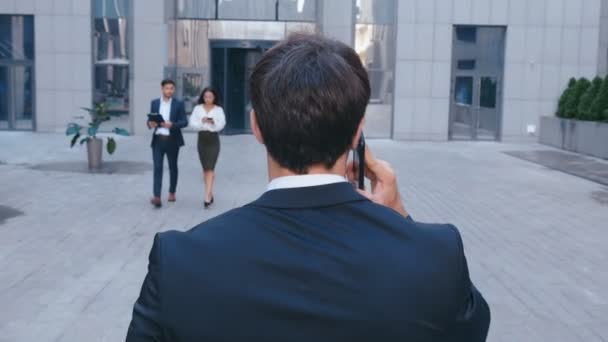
{"x":166,"y":99}
{"x":276,"y":171}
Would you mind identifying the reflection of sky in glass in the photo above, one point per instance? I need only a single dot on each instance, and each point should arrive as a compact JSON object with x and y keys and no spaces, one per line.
{"x":111,"y":8}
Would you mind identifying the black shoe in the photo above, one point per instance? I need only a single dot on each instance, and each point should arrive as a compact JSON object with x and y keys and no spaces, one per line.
{"x":207,"y":204}
{"x":156,"y":202}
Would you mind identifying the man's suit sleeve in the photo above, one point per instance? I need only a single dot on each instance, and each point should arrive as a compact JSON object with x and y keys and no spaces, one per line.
{"x":472,"y":320}
{"x":182,"y":120}
{"x":146,"y":322}
{"x":151,"y":111}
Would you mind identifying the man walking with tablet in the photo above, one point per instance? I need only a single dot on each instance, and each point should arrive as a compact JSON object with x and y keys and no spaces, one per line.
{"x":167,"y":118}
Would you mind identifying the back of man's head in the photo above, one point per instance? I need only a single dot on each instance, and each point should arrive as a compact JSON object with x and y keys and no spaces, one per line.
{"x":309,"y":95}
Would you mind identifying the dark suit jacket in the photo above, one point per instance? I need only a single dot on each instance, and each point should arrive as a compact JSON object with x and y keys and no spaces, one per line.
{"x":310,"y":264}
{"x":178,"y":118}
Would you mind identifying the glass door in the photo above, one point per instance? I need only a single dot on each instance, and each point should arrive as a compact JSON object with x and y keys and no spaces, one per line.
{"x":477,"y":69}
{"x":232,"y":63}
{"x":4,"y":97}
{"x":487,"y":125}
{"x":16,"y":97}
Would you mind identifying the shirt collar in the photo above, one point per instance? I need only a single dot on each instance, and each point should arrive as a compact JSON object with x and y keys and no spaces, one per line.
{"x":162,"y":100}
{"x":301,"y":181}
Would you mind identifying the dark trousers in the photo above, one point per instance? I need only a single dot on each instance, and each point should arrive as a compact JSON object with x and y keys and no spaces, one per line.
{"x":164,"y":145}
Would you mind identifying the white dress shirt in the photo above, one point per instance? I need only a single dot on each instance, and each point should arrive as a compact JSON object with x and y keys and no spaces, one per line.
{"x":164,"y":110}
{"x":302,"y":181}
{"x":216,"y":113}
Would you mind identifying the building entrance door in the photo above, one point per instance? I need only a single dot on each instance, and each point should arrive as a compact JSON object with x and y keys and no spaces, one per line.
{"x":17,"y":72}
{"x":232,"y":63}
{"x":16,"y":97}
{"x":476,"y":89}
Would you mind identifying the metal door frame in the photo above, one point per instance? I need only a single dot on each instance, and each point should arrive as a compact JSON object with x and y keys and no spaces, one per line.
{"x":476,"y":103}
{"x":226,"y":44}
{"x":11,"y":118}
{"x":499,"y":75}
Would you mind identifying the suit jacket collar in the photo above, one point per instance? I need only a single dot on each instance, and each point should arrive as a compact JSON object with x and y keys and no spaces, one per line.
{"x":309,"y":197}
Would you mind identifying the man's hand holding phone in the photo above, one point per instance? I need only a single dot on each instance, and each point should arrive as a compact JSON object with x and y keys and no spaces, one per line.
{"x":384,"y":189}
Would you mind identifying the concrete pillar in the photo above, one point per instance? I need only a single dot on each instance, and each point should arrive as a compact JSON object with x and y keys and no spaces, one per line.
{"x":148,"y":57}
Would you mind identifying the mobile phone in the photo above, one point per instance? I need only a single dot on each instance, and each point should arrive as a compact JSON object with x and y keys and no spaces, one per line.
{"x":359,"y":164}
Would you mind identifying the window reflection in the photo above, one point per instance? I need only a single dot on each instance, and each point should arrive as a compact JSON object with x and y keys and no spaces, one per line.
{"x":375,"y":11}
{"x":466,"y":34}
{"x":16,"y":37}
{"x":487,"y":92}
{"x":463,"y":90}
{"x":196,"y":9}
{"x":246,"y":9}
{"x":373,"y":43}
{"x":111,"y":71}
{"x":466,"y":64}
{"x":297,"y":10}
{"x":282,"y":10}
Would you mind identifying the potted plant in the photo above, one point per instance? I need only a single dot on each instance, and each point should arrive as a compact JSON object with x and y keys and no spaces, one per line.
{"x":98,"y":114}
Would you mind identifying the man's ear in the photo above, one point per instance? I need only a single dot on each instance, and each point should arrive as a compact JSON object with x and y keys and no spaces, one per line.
{"x":355,"y":141}
{"x":255,"y":128}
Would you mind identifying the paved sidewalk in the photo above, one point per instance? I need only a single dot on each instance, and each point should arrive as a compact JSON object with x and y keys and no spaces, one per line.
{"x":74,"y":245}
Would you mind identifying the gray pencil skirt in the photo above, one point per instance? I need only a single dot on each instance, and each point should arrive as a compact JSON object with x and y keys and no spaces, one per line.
{"x":208,"y":149}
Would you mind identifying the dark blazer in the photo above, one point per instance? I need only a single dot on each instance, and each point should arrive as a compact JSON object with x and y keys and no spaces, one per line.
{"x":178,"y":118}
{"x":309,"y":264}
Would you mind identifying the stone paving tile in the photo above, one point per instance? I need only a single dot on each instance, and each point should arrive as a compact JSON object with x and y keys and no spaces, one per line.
{"x":72,"y":264}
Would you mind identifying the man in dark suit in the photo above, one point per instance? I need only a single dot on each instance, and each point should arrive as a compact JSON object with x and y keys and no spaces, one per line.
{"x":167,"y":138}
{"x":312,"y":259}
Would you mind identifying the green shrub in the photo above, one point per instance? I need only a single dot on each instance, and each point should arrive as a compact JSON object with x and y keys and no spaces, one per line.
{"x":561,"y":106}
{"x":574,"y":97}
{"x":584,"y":106}
{"x":600,"y":103}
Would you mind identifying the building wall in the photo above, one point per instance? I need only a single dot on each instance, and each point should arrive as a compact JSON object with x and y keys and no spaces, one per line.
{"x":62,"y":34}
{"x":149,"y":56}
{"x":548,"y":41}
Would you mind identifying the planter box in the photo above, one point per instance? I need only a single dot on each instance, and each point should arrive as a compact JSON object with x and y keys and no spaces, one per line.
{"x":584,"y":137}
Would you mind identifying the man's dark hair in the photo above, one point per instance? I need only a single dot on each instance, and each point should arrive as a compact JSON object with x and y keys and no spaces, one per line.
{"x":309,"y":94}
{"x":167,"y":81}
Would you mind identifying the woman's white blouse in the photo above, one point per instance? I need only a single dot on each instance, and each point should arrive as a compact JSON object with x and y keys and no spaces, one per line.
{"x":217,"y":114}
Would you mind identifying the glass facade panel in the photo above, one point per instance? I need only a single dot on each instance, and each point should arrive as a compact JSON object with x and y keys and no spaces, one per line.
{"x":247,"y":10}
{"x":297,"y":10}
{"x":4,"y":97}
{"x":17,"y":37}
{"x":196,"y":9}
{"x":463,"y":92}
{"x":375,"y":11}
{"x":111,"y":8}
{"x":111,"y":55}
{"x":375,"y":46}
{"x":16,"y":72}
{"x":487,"y":92}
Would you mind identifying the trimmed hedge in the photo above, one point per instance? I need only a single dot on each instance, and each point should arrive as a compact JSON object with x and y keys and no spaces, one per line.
{"x":584,"y":100}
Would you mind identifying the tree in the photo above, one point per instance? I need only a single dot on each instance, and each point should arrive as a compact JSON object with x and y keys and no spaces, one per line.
{"x":584,"y":106}
{"x":574,"y":97}
{"x":561,"y":106}
{"x":600,"y":103}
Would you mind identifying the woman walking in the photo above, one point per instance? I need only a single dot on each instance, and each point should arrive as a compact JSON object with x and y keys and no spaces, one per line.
{"x":208,"y":118}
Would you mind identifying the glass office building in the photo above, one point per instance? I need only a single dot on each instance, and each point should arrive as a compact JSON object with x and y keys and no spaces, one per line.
{"x":439,"y":69}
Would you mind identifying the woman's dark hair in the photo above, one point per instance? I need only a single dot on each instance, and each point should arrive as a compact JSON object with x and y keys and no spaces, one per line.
{"x":167,"y":81}
{"x":216,"y":98}
{"x":309,"y":94}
